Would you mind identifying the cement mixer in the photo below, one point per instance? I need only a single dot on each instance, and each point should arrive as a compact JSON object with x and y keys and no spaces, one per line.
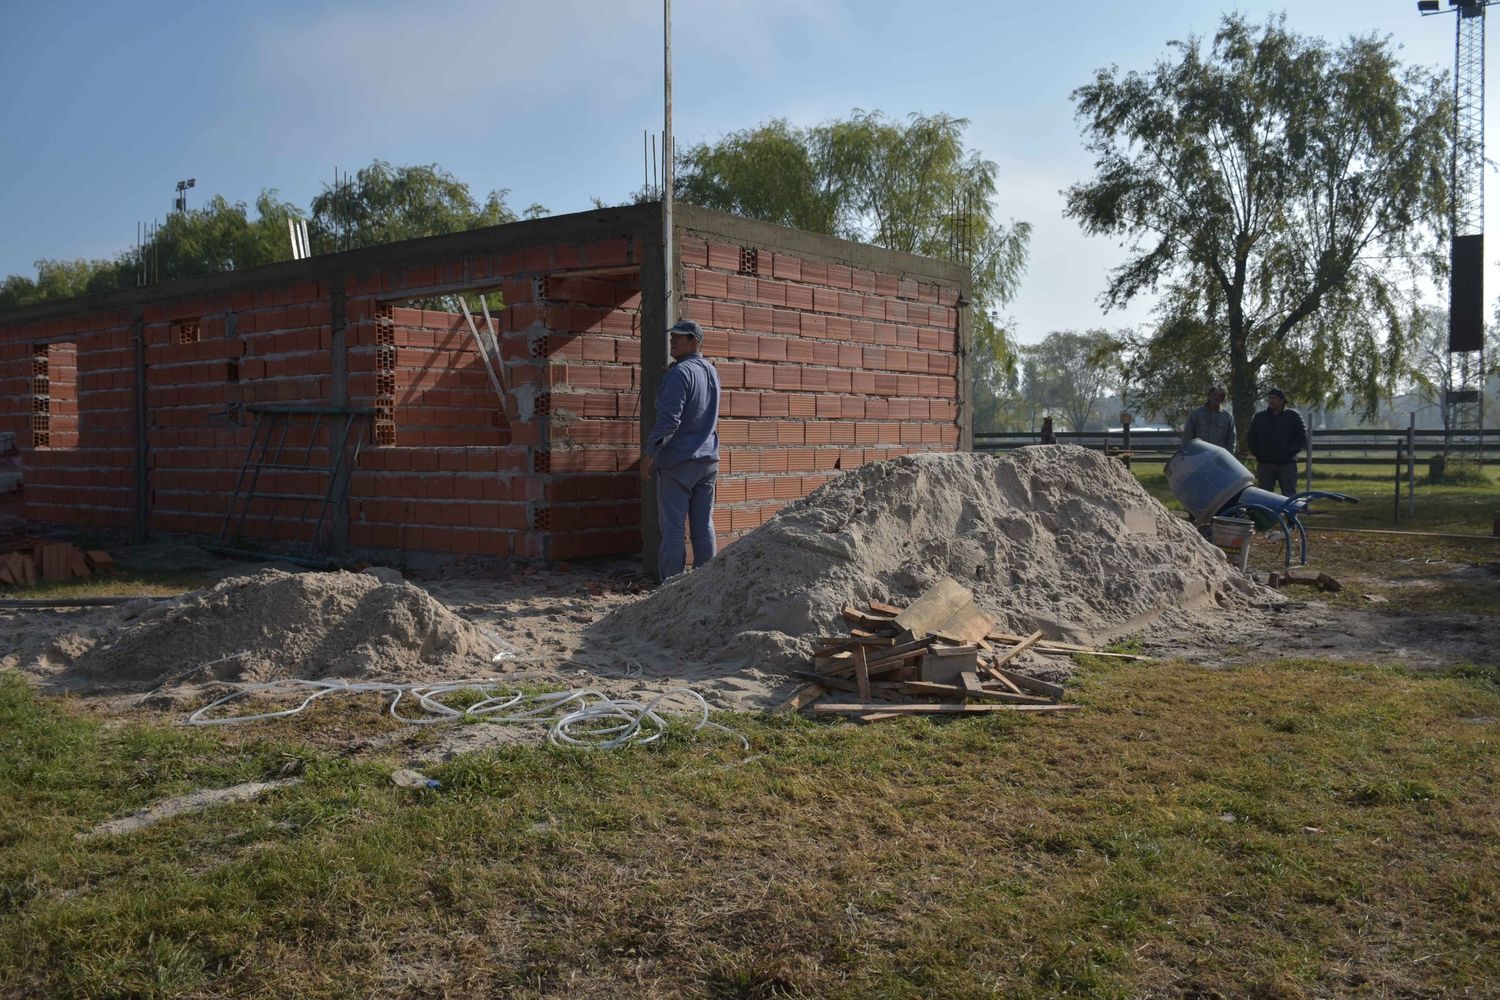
{"x":1210,"y":482}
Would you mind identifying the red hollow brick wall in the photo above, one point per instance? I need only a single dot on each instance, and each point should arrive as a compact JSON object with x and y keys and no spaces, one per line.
{"x":825,"y":365}
{"x":65,"y":393}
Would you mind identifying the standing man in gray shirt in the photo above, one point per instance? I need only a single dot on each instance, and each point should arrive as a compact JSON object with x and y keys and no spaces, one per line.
{"x":1211,"y":422}
{"x":682,"y":451}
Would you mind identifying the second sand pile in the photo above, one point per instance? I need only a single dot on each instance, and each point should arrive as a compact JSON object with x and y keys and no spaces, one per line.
{"x":273,"y":625}
{"x":1061,"y":539}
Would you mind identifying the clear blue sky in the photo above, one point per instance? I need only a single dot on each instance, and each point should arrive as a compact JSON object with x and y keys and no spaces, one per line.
{"x":112,"y":104}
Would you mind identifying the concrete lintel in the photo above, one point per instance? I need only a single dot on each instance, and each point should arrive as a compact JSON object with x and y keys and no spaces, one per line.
{"x":753,"y":232}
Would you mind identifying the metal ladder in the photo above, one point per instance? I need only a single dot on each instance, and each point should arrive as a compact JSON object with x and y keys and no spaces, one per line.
{"x":343,"y":430}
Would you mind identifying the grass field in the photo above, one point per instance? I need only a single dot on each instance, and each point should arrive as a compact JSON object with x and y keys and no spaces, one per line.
{"x":1334,"y":836}
{"x":1286,"y":829}
{"x":1466,"y":510}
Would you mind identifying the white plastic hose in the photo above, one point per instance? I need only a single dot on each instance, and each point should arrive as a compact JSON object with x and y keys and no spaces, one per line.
{"x":595,"y":721}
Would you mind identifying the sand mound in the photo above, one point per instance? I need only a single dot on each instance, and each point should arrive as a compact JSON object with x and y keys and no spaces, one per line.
{"x":1057,"y":538}
{"x":309,"y":625}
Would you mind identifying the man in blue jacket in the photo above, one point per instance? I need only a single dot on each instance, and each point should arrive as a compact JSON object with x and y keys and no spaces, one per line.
{"x":683,"y":451}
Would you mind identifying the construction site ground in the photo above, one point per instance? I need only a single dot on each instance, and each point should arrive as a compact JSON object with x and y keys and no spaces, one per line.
{"x":1300,"y":803}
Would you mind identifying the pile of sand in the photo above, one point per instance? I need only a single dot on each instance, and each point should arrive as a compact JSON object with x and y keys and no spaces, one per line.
{"x":309,"y":625}
{"x":1057,"y":538}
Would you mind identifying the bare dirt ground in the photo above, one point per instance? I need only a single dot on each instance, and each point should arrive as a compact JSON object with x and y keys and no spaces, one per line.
{"x":546,"y":620}
{"x":1061,"y":540}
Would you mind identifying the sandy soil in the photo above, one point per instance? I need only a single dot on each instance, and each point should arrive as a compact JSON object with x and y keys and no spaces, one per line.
{"x":1062,"y":540}
{"x":549,"y":620}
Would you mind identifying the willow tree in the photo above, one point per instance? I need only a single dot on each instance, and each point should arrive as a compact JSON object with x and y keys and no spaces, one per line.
{"x":1280,"y":190}
{"x":909,"y":185}
{"x":383,"y":204}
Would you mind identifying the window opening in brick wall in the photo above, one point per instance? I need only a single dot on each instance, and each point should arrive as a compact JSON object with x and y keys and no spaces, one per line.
{"x":187,"y":331}
{"x":54,"y":395}
{"x":438,"y":381}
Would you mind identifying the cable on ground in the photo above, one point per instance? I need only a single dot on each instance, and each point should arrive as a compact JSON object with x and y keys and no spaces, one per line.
{"x":589,"y":719}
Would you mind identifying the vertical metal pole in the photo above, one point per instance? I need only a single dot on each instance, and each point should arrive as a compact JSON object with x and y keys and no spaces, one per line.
{"x":338,"y":395}
{"x":1411,"y":466}
{"x":142,"y":446}
{"x":1396,"y":510}
{"x":667,"y":236}
{"x":1310,"y":422}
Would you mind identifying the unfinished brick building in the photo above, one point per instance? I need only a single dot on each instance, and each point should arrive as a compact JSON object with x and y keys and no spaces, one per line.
{"x":138,"y":411}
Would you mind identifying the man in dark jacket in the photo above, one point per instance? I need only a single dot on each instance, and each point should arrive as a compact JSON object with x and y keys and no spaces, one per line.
{"x":682,"y":451}
{"x":1277,"y":435}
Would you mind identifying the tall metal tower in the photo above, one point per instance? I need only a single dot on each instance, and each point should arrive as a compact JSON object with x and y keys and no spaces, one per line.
{"x":1464,"y":404}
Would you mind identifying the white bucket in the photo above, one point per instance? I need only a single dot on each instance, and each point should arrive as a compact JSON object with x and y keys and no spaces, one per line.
{"x":1233,"y":534}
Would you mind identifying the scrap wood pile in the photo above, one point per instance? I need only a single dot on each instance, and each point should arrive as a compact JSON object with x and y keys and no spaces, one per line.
{"x":939,"y":656}
{"x":29,"y":560}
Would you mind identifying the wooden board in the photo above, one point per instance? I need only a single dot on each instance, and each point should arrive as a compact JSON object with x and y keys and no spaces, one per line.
{"x":1053,"y":646}
{"x":805,"y":695}
{"x":886,"y":609}
{"x":936,"y":708}
{"x":1016,"y":650}
{"x":1031,"y":684}
{"x":999,"y":675}
{"x":886,"y":664}
{"x":98,"y":558}
{"x":881,"y":689}
{"x":1312,"y":578}
{"x":946,"y":609}
{"x":838,"y":665}
{"x":959,"y":692}
{"x":900,"y":650}
{"x":842,"y":665}
{"x":868,"y":620}
{"x":861,"y":674}
{"x":834,"y":643}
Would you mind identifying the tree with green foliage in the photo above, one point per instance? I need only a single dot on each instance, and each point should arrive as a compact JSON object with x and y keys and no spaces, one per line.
{"x":1168,"y":370}
{"x":1279,"y":192}
{"x":911,"y":186}
{"x":381,"y":204}
{"x":1069,"y":372}
{"x":384,"y":204}
{"x":59,"y":279}
{"x":221,"y":236}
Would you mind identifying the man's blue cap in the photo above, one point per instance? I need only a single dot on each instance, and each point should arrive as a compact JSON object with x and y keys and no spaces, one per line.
{"x":689,"y":327}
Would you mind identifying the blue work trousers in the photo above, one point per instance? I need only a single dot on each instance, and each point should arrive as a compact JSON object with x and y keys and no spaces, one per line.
{"x":685,"y":493}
